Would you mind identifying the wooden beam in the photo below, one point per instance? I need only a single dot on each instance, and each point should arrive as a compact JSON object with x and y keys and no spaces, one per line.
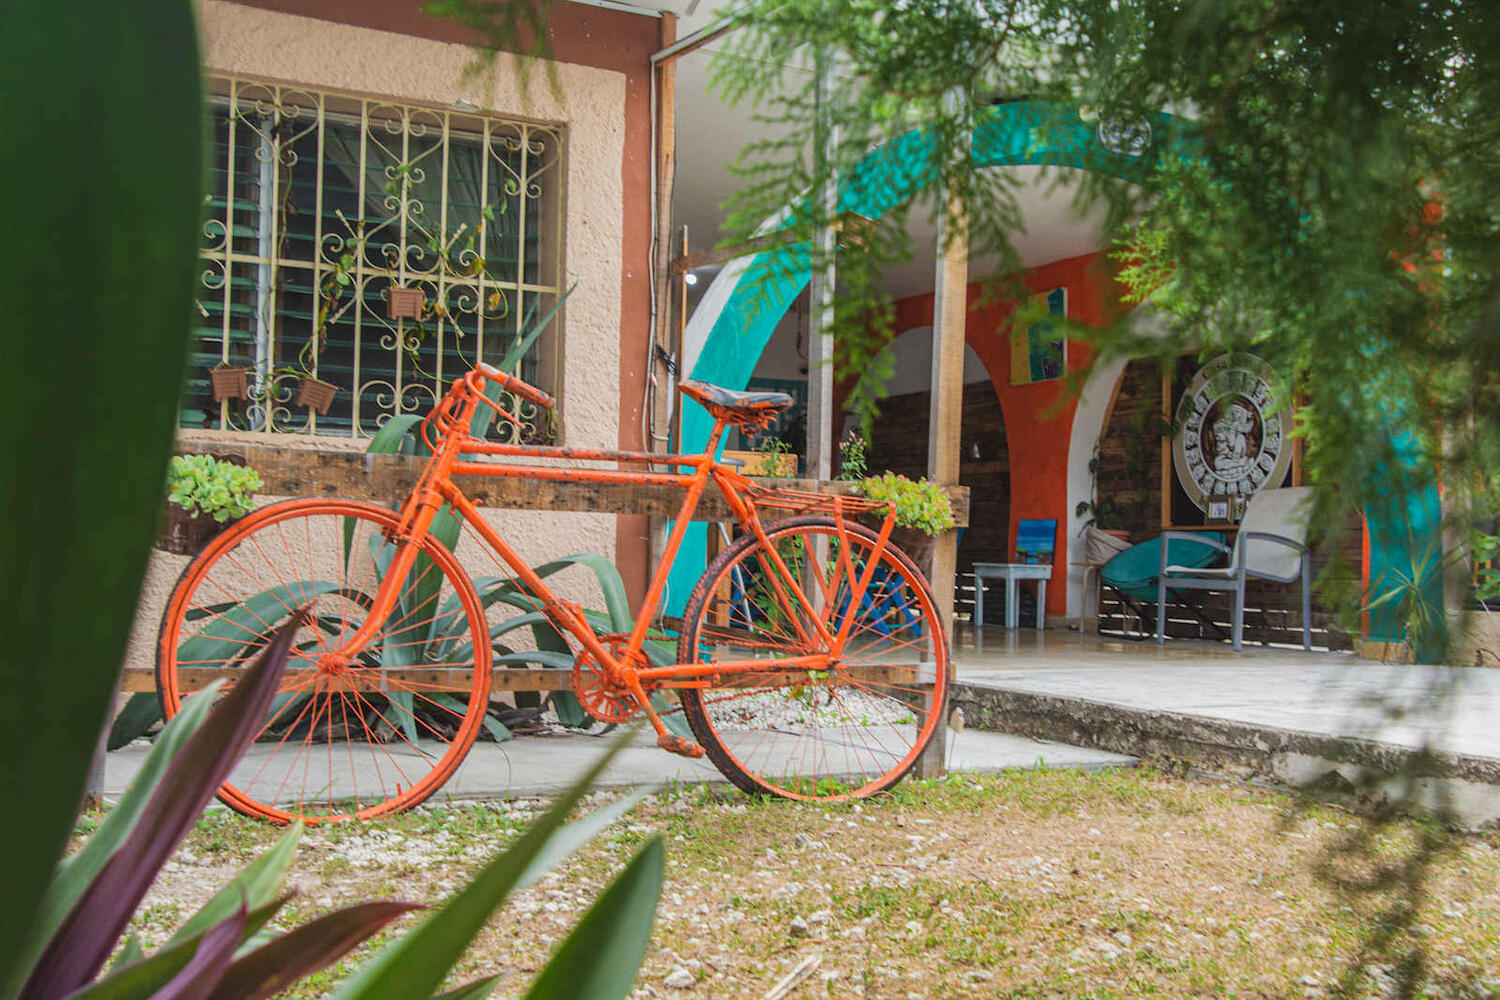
{"x":723,"y":255}
{"x":140,"y":679}
{"x":301,"y":471}
{"x":190,"y":679}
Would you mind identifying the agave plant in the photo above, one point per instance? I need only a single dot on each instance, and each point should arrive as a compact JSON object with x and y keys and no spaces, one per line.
{"x":224,"y":952}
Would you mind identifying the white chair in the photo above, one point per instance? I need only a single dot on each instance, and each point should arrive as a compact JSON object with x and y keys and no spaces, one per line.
{"x":1272,"y":545}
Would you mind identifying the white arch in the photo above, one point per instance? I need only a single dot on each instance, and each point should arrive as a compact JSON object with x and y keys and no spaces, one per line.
{"x":1088,"y":427}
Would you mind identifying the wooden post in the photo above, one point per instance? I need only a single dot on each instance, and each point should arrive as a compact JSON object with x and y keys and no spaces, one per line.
{"x":820,"y":296}
{"x":666,"y":173}
{"x":945,"y":424}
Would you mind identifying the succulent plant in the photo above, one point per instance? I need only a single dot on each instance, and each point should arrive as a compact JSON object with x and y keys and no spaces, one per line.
{"x":921,"y":504}
{"x":202,"y":484}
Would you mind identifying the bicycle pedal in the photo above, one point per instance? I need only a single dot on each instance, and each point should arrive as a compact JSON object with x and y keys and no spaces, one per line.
{"x":678,"y":745}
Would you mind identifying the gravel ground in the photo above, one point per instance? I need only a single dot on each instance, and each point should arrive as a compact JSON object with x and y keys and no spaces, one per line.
{"x":1028,"y":884}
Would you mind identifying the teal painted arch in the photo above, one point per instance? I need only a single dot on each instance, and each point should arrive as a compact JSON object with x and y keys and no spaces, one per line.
{"x":1021,"y":133}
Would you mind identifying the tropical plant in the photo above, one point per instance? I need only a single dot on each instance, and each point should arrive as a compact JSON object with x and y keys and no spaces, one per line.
{"x":401,"y":435}
{"x":226,"y":951}
{"x":920,"y":504}
{"x":81,"y":495}
{"x":852,"y":448}
{"x":203,"y":484}
{"x":774,"y":451}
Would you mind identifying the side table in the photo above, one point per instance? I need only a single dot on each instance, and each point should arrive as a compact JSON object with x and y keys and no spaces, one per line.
{"x":1011,"y":573}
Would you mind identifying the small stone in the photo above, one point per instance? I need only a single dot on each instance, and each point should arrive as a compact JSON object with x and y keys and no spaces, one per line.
{"x":820,"y":917}
{"x":798,"y":928}
{"x":1421,"y":930}
{"x":977,"y":976}
{"x":679,"y":979}
{"x":913,"y":928}
{"x":802,"y":841}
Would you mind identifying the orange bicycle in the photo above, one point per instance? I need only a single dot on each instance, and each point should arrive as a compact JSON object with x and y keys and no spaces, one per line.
{"x":810,"y":661}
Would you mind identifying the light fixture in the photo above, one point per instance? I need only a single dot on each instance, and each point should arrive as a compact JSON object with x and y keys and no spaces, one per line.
{"x":690,"y":278}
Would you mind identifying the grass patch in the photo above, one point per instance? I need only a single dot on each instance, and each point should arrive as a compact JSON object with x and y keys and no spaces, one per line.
{"x":1024,"y":884}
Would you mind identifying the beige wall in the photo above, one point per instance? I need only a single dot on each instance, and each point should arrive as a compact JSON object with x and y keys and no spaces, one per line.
{"x":285,"y":48}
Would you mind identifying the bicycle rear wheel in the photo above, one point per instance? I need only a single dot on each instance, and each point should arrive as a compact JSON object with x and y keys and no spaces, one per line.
{"x":352,"y":736}
{"x":849,"y":731}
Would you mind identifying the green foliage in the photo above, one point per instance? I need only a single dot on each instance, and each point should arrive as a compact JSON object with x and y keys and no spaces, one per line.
{"x":773,"y":447}
{"x":1330,"y":203}
{"x":920,"y":504}
{"x":852,"y":467}
{"x":105,"y":199}
{"x":226,"y":947}
{"x":202,"y":484}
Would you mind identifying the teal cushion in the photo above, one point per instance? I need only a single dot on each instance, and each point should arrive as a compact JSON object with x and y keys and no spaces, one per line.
{"x":1133,"y":572}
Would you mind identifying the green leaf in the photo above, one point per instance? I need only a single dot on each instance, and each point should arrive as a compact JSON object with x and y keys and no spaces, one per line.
{"x":397,"y":436}
{"x":130,"y":952}
{"x":255,"y":886}
{"x":512,"y":358}
{"x":75,"y":873}
{"x":416,"y":965}
{"x":141,"y":712}
{"x":579,"y":832}
{"x":81,"y":499}
{"x":477,"y":990}
{"x":140,"y":980}
{"x":304,"y":950}
{"x":497,"y":729}
{"x":601,"y":958}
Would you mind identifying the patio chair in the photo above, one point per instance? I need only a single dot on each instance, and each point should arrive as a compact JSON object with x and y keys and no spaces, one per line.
{"x":1272,"y":545}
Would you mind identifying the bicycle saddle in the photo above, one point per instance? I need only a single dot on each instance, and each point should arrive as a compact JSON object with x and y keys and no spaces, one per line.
{"x":738,"y":409}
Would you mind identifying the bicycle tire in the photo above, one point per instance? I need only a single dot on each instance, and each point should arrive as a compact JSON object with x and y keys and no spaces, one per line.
{"x":849,"y":732}
{"x":341,"y":742}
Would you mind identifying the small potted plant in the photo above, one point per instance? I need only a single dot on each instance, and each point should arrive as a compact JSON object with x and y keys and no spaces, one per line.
{"x":315,"y":394}
{"x":404,"y":302}
{"x":228,"y":381}
{"x":204,"y":495}
{"x":922,"y":511}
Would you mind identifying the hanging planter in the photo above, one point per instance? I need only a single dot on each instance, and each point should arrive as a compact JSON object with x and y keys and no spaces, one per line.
{"x":205,"y":495}
{"x":228,"y":382}
{"x":404,"y":303}
{"x":316,"y":394}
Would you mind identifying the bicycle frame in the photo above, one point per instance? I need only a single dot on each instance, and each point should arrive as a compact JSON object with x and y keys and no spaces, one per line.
{"x":453,"y":458}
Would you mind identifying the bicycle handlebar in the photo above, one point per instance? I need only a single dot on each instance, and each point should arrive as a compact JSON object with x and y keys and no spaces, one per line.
{"x":511,"y":383}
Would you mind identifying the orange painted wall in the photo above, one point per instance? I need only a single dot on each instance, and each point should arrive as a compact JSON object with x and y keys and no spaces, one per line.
{"x":1038,"y":417}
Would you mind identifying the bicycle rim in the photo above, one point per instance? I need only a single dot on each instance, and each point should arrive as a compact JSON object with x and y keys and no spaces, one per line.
{"x":846,"y":732}
{"x":345,"y":739}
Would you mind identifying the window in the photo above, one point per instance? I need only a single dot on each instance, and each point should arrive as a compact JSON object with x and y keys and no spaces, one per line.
{"x":319,"y":207}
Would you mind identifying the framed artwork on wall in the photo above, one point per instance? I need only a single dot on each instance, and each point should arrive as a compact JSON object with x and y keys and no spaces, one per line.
{"x":1039,"y":351}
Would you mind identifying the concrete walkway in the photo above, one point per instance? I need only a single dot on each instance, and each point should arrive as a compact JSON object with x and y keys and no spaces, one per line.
{"x":1280,"y":713}
{"x":1453,"y":709}
{"x":542,"y":765}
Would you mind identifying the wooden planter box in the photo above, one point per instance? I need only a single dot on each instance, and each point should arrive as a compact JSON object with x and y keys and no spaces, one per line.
{"x":228,"y":383}
{"x":186,"y":534}
{"x":404,"y":303}
{"x":759,"y":463}
{"x":316,"y":394}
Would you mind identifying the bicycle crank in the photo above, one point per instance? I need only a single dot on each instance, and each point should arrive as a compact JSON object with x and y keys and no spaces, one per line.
{"x":601,"y":697}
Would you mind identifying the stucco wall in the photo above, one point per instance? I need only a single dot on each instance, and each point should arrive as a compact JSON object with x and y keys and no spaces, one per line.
{"x":250,"y":42}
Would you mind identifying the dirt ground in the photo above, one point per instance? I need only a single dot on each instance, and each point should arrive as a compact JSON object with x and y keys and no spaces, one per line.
{"x":1027,"y":884}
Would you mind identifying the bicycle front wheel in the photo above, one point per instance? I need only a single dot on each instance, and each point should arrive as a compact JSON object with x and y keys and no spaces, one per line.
{"x":847,"y":731}
{"x":353,"y":735}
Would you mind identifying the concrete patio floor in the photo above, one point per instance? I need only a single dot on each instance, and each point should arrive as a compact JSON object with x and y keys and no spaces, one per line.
{"x":1059,"y":698}
{"x":1281,"y":714}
